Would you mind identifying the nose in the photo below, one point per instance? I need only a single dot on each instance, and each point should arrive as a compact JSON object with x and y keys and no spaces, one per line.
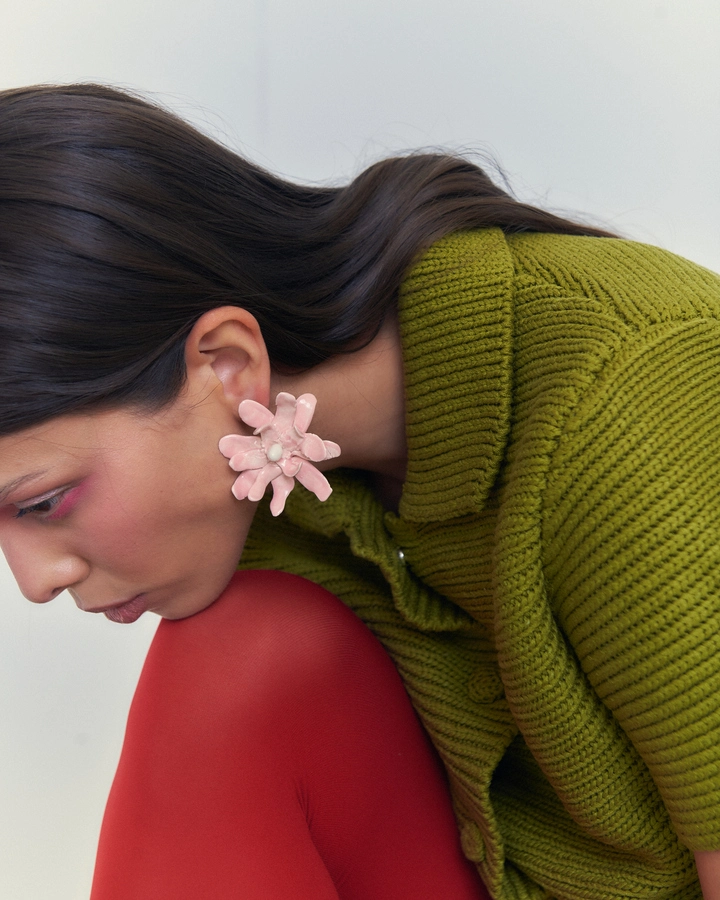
{"x":42,"y":568}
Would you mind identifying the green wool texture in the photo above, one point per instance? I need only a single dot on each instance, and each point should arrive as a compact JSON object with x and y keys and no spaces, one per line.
{"x":550,"y":588}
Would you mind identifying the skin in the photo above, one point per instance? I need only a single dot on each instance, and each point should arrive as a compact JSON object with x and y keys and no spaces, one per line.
{"x":111,"y":505}
{"x":708,"y":866}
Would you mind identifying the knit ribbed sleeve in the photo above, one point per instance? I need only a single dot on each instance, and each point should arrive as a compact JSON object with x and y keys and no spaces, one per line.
{"x":632,"y":558}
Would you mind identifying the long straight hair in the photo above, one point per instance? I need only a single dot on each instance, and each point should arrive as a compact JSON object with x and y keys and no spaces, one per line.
{"x":120,"y":225}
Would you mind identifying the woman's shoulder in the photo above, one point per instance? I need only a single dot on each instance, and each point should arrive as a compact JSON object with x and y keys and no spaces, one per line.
{"x":638,"y":281}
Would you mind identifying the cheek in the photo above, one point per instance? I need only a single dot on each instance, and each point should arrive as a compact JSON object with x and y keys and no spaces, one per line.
{"x":117,"y":523}
{"x":170,"y":529}
{"x":147,"y":520}
{"x":113,"y":536}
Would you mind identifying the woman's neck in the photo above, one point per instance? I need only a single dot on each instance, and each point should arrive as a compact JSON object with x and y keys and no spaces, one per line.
{"x":360,"y":405}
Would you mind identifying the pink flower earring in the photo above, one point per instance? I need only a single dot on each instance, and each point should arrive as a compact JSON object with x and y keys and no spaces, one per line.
{"x":279,"y":452}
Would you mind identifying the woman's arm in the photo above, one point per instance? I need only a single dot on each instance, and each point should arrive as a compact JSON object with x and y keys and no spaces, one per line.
{"x":272,"y":752}
{"x":634,"y":558}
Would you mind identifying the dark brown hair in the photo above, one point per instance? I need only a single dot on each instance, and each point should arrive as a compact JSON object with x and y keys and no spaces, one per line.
{"x":120,"y":225}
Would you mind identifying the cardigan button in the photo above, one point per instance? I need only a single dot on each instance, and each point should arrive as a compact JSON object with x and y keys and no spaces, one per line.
{"x":401,"y":556}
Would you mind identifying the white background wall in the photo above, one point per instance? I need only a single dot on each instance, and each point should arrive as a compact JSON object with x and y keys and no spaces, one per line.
{"x":609,"y":107}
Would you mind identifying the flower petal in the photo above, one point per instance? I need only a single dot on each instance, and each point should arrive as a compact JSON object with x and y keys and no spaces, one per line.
{"x":332,"y":450}
{"x":236,"y":443}
{"x":249,"y":459}
{"x":255,"y":414}
{"x":290,"y":466}
{"x":314,"y":481}
{"x":285,"y":405}
{"x":264,"y":477}
{"x":312,"y":447}
{"x":243,"y":483}
{"x":317,"y":450}
{"x":282,"y":485}
{"x":306,"y":404}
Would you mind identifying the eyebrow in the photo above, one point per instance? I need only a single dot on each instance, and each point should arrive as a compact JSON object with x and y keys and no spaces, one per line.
{"x":11,"y":485}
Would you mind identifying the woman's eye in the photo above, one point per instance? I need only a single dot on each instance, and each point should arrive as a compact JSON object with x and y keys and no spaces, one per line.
{"x":43,"y":507}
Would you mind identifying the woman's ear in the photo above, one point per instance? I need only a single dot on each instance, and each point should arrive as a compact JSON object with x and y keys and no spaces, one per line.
{"x":225,"y":351}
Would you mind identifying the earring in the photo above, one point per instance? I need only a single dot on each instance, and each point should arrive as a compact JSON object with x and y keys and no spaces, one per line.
{"x":279,"y":451}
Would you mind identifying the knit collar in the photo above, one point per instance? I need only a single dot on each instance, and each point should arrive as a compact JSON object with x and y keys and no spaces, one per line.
{"x":456,"y":332}
{"x":455,"y":315}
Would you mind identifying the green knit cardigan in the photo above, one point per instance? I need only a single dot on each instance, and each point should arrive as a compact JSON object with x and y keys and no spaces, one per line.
{"x":550,"y":590}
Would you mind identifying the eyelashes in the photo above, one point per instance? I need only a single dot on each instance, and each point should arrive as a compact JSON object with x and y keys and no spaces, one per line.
{"x":42,"y":508}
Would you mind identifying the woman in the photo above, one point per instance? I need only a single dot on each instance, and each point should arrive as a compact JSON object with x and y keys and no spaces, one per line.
{"x":525,"y":517}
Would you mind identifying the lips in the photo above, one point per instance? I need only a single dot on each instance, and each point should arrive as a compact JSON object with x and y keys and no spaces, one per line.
{"x":128,"y":612}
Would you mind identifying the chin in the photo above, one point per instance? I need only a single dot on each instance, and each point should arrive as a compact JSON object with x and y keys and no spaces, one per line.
{"x":183,"y":610}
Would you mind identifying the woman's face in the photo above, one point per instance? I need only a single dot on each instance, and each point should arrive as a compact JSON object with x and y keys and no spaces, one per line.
{"x":126,"y":510}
